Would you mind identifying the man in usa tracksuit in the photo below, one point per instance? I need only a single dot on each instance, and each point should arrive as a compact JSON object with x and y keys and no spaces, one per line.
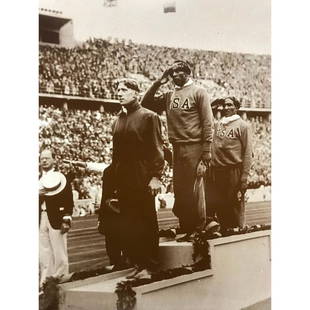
{"x":190,"y":121}
{"x":230,"y":165}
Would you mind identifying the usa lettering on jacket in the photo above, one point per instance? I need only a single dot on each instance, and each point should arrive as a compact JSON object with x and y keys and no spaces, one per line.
{"x":177,"y":103}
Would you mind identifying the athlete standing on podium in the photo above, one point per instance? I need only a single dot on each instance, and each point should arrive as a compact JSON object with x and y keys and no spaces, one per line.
{"x":190,"y":120}
{"x":137,"y":163}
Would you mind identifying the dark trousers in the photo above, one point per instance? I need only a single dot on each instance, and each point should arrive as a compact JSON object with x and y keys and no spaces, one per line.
{"x":113,"y":242}
{"x":139,"y":228}
{"x":186,"y":157}
{"x":223,"y":185}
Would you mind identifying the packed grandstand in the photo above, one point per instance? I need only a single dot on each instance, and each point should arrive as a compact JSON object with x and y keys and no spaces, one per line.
{"x":90,"y":69}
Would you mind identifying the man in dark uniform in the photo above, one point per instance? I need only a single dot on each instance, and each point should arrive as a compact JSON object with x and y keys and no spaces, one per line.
{"x":138,"y":163}
{"x":109,"y":221}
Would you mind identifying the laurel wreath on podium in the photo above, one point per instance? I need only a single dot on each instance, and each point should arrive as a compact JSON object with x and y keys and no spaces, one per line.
{"x":49,"y":299}
{"x":124,"y":289}
{"x":202,"y":261}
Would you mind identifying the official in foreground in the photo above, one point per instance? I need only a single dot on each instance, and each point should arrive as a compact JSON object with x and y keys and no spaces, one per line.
{"x":55,"y":210}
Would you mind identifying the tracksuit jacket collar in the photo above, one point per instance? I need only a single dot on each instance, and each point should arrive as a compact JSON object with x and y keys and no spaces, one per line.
{"x":131,"y":107}
{"x":229,"y":119}
{"x":189,"y":82}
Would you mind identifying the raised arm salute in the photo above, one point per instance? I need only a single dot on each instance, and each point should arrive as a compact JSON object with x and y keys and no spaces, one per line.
{"x":190,"y":120}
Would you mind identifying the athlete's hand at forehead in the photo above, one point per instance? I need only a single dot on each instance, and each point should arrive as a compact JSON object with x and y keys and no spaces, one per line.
{"x":165,"y":77}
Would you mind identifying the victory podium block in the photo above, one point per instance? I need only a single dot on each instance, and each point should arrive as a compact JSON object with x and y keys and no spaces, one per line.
{"x":239,"y":278}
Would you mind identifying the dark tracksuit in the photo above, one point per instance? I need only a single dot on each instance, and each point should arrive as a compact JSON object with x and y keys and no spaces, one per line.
{"x":110,"y":220}
{"x":190,"y":120}
{"x":137,"y":157}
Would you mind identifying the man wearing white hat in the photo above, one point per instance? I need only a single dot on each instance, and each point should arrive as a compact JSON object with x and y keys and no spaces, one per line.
{"x":56,"y":206}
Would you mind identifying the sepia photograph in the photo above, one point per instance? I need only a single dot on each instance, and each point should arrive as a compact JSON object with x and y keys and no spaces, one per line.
{"x":154,"y":135}
{"x":168,"y":141}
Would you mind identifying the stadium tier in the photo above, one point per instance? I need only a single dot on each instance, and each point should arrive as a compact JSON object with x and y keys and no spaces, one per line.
{"x":89,"y":70}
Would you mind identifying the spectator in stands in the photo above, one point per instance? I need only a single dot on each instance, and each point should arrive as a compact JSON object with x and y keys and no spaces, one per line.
{"x":189,"y":118}
{"x":77,"y":135}
{"x":75,"y":193}
{"x":98,"y":67}
{"x":230,"y":165}
{"x":138,"y":162}
{"x":72,"y":143}
{"x":55,"y":209}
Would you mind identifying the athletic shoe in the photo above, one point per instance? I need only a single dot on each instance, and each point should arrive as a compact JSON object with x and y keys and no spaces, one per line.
{"x":122,"y":266}
{"x":135,"y":271}
{"x":213,"y":226}
{"x":143,"y":274}
{"x":186,"y":238}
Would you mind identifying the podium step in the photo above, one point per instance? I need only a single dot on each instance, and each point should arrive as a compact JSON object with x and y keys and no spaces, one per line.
{"x":84,"y":232}
{"x":239,"y":277}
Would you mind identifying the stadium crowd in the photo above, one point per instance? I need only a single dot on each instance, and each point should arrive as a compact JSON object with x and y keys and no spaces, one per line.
{"x":88,"y":70}
{"x":86,"y":136}
{"x":260,"y":174}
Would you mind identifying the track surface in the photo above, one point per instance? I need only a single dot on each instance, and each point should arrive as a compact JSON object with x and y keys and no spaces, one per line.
{"x":86,"y":247}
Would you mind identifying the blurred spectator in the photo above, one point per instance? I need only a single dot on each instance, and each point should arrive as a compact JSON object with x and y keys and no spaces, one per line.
{"x":75,"y":194}
{"x":260,"y":173}
{"x":77,"y":135}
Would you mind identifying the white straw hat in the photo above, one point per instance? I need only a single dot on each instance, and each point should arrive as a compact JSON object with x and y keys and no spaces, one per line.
{"x":53,"y":183}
